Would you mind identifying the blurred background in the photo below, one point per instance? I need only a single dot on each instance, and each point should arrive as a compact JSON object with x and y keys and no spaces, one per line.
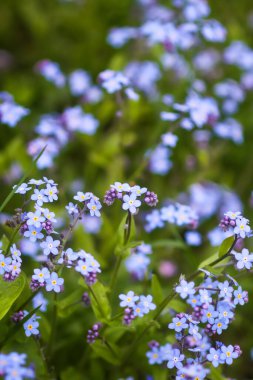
{"x":206,"y":172}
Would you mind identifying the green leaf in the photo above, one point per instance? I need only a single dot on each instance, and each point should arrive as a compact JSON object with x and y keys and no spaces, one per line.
{"x":9,"y":292}
{"x":25,"y":176}
{"x":109,"y":354}
{"x":99,"y":302}
{"x":123,"y":249}
{"x":5,"y":242}
{"x":209,"y":260}
{"x":114,"y":333}
{"x":226,"y":245}
{"x":65,"y":306}
{"x":156,"y":290}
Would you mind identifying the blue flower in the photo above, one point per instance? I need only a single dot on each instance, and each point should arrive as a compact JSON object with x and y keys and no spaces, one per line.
{"x":175,"y":359}
{"x":178,"y":324}
{"x":54,"y":283}
{"x":39,"y":196}
{"x":244,"y":259}
{"x":72,"y":209}
{"x":138,"y":310}
{"x":81,"y":197}
{"x":94,"y":207}
{"x":153,"y":220}
{"x":41,"y":275}
{"x":242,"y":228}
{"x":15,"y":253}
{"x":226,"y":291}
{"x":128,"y":300}
{"x":33,"y":234}
{"x":22,"y":189}
{"x":50,"y":246}
{"x":228,"y":354}
{"x":224,"y":310}
{"x":35,"y":219}
{"x":214,"y":357}
{"x":83,"y":267}
{"x":51,"y":193}
{"x":131,"y":203}
{"x":4,"y":264}
{"x":219,"y":325}
{"x":154,"y":356}
{"x":240,"y":296}
{"x":31,"y":326}
{"x":146,"y":304}
{"x":40,"y":300}
{"x":209,"y":314}
{"x":185,"y":289}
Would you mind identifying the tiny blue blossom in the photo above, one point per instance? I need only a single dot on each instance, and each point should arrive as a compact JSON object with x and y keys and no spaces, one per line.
{"x":185,"y":289}
{"x":72,"y":208}
{"x":22,"y":189}
{"x":54,"y":283}
{"x":128,"y":300}
{"x":39,"y":196}
{"x":131,"y":203}
{"x":175,"y":359}
{"x":244,"y":259}
{"x":50,"y":246}
{"x":31,"y":326}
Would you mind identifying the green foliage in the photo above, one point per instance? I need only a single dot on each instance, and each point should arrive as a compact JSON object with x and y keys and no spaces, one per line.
{"x":9,"y":292}
{"x":226,"y":245}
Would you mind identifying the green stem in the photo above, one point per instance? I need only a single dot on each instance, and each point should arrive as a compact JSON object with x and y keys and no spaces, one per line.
{"x":43,"y":358}
{"x":127,"y":233}
{"x":115,"y":272}
{"x":169,"y":298}
{"x":97,"y":301}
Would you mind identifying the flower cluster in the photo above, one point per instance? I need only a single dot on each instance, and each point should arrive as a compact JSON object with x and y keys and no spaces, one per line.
{"x":10,"y":112}
{"x":13,"y":366}
{"x":135,"y":306}
{"x":213,"y":306}
{"x":89,"y":202}
{"x":177,"y":213}
{"x":10,"y":266}
{"x":237,"y":223}
{"x":113,"y":81}
{"x":137,"y":263}
{"x":87,"y":266}
{"x":129,"y":195}
{"x":93,"y":333}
